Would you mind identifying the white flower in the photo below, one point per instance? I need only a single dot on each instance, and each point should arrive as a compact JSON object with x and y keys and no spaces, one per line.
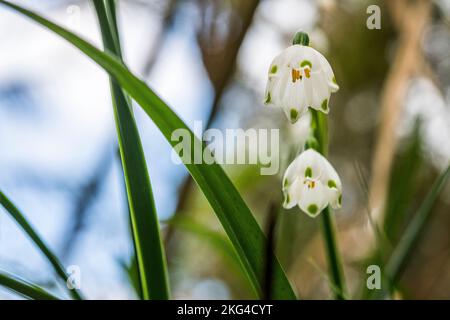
{"x":300,"y":78}
{"x":311,"y":183}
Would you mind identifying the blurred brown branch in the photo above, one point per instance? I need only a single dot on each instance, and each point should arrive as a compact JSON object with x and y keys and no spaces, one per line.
{"x":157,"y":46}
{"x":410,"y":19}
{"x":219,"y":58}
{"x":85,"y":198}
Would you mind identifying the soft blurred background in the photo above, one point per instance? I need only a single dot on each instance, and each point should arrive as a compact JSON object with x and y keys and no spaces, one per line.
{"x":389,"y":131}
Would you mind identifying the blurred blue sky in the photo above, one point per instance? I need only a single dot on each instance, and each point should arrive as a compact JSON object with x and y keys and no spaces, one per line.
{"x":56,"y":127}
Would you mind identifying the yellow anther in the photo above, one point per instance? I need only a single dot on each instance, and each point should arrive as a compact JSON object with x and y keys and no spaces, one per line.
{"x":310,"y":183}
{"x":296,"y":75}
{"x":307,"y":72}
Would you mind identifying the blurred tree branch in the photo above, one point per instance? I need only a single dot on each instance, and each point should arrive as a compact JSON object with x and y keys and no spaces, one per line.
{"x":157,"y":46}
{"x":85,"y":198}
{"x":219,"y":51}
{"x":219,"y":58}
{"x":410,"y":19}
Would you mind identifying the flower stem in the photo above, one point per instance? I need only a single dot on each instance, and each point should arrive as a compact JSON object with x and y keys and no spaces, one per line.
{"x":320,"y":129}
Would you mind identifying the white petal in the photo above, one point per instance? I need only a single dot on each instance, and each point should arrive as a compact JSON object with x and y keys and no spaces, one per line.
{"x":309,"y":92}
{"x":301,"y":130}
{"x":309,"y":164}
{"x":276,"y":74}
{"x":290,"y":175}
{"x":294,"y":104}
{"x":321,"y":66}
{"x":301,"y":53}
{"x":269,"y":92}
{"x":329,"y":76}
{"x":329,"y":176}
{"x":321,"y":93}
{"x":280,"y":62}
{"x":335,"y":198}
{"x":291,"y":194}
{"x":333,"y":85}
{"x":330,"y":179}
{"x":313,"y":200}
{"x":296,"y":52}
{"x":281,"y":83}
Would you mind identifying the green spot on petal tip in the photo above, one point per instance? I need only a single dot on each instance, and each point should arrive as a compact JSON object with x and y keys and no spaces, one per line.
{"x":332,"y":184}
{"x":268,"y":98}
{"x":324,"y":105}
{"x":308,"y":172}
{"x":274,"y":69}
{"x":294,"y":115}
{"x":334,"y":80}
{"x":306,"y":63}
{"x":312,"y":208}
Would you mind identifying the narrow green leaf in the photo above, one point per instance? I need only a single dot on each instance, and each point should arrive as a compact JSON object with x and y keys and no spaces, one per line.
{"x":24,"y":288}
{"x":130,"y":268}
{"x":40,"y":243}
{"x":236,"y":218}
{"x":403,"y":250}
{"x":415,"y":228}
{"x":402,"y":185}
{"x":144,"y":219}
{"x":398,"y":211}
{"x":105,"y":10}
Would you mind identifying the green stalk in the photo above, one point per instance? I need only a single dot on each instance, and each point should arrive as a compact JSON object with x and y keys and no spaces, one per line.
{"x":40,"y":243}
{"x":320,"y":131}
{"x":320,"y":127}
{"x":25,"y":289}
{"x":144,"y":220}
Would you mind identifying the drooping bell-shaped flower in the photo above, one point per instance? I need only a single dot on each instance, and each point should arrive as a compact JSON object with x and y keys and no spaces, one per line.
{"x":300,"y":78}
{"x":311,"y":183}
